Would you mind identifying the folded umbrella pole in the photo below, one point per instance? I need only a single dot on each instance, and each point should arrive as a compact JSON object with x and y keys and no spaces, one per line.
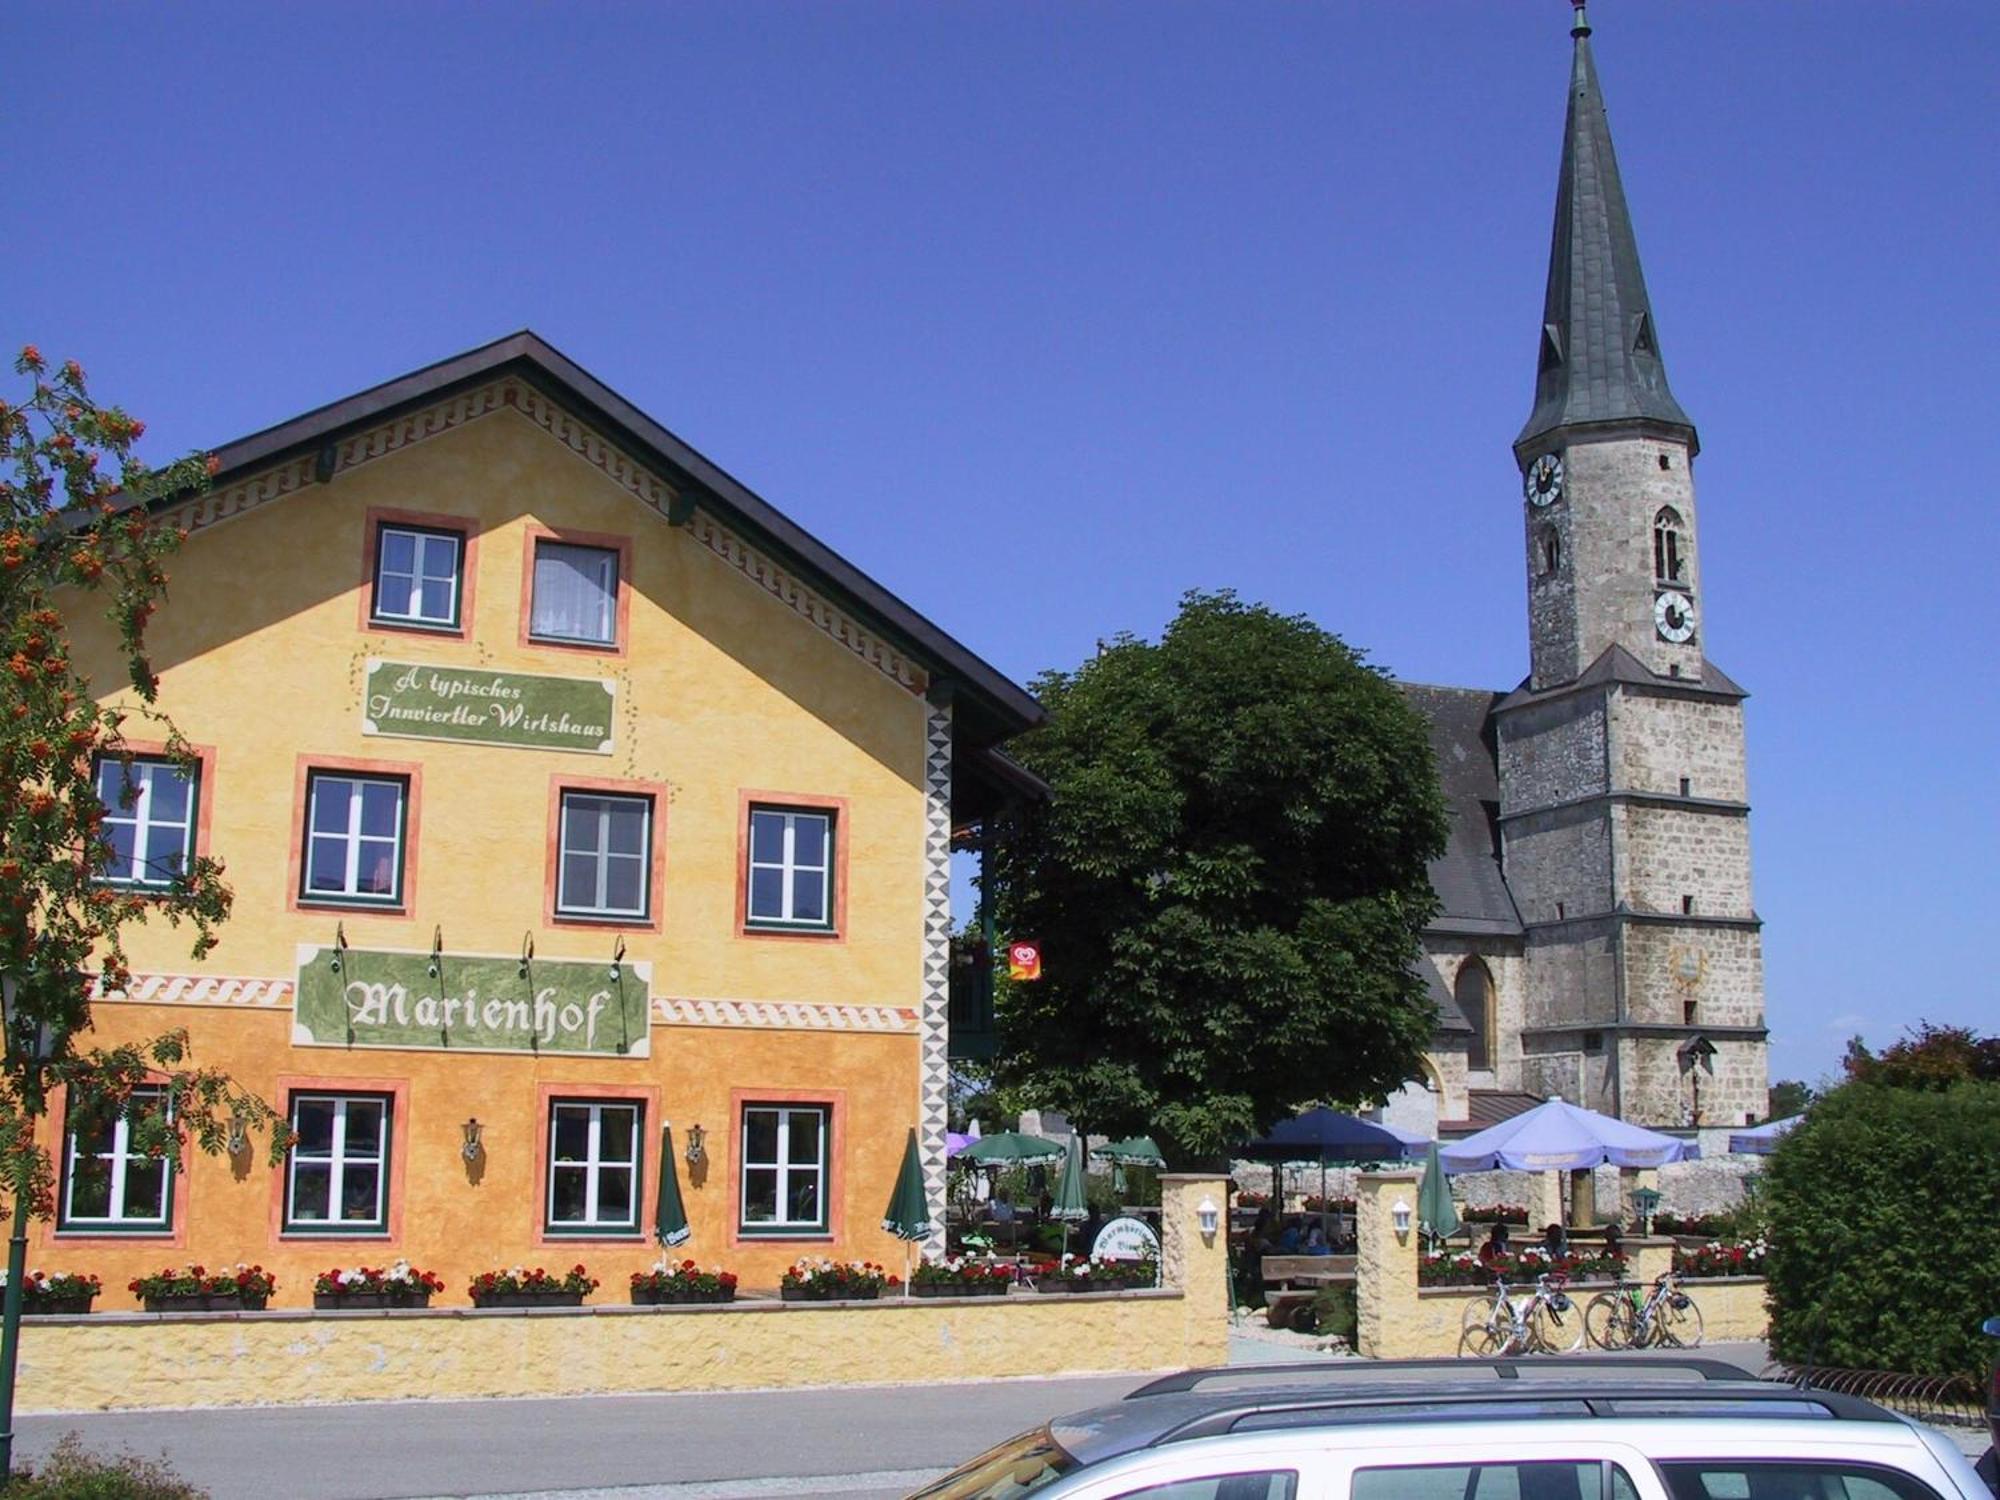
{"x":909,"y":1216}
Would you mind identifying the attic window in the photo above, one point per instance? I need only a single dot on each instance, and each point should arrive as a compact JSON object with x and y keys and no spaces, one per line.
{"x":1552,"y":354}
{"x":1666,"y":462}
{"x":1642,"y":335}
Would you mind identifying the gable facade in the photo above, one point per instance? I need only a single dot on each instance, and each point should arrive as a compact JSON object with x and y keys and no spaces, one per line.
{"x":564,"y":810}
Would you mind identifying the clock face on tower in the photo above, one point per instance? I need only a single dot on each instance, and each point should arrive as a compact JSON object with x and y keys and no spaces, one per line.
{"x":1543,"y":483}
{"x":1673,"y":617}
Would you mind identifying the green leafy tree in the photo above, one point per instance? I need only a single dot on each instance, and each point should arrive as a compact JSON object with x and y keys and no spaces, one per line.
{"x":1881,"y":1207}
{"x":1228,"y":884}
{"x":1931,"y":1057}
{"x":1789,"y":1097}
{"x":77,"y":536}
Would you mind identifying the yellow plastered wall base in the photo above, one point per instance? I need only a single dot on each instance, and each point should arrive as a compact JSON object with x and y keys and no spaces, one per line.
{"x":1400,"y":1320}
{"x":110,"y":1362}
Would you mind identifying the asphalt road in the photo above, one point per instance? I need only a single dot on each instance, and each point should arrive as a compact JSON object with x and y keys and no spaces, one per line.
{"x":854,"y":1442}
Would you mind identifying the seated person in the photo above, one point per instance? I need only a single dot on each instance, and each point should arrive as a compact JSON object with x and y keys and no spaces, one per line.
{"x":1000,"y":1210}
{"x":1496,"y":1247}
{"x":1290,"y":1238}
{"x":1555,"y":1240}
{"x":1316,"y":1241}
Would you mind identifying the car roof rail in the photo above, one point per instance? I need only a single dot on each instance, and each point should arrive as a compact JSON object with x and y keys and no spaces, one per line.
{"x":1185,"y":1381}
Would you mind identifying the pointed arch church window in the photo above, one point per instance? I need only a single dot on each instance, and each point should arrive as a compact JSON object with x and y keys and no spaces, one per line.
{"x":1473,"y":990}
{"x":1669,"y":546}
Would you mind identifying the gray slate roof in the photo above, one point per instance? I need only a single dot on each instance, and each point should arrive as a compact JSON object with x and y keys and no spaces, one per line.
{"x":1600,"y":352}
{"x":1616,"y":664}
{"x":1467,"y":878}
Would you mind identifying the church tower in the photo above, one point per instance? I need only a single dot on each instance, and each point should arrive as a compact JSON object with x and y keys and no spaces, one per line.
{"x":1624,"y":818}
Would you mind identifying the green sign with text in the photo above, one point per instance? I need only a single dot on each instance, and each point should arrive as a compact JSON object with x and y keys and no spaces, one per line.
{"x":488,"y":708}
{"x":367,"y":997}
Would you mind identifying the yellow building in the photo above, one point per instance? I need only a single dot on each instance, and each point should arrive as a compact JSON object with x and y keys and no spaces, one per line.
{"x":567,"y":788}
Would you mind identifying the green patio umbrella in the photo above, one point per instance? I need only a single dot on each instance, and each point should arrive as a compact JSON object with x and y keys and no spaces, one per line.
{"x":909,"y":1215}
{"x":1435,"y":1211}
{"x":1010,"y":1148}
{"x":1135,"y":1151}
{"x":671,"y":1222}
{"x":1070,"y":1206}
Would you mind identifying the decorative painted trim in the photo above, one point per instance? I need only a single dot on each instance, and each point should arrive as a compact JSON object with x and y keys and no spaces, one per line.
{"x":198,"y":989}
{"x":650,"y":489}
{"x":934,"y":1082}
{"x":786,"y":1015}
{"x":236,"y":993}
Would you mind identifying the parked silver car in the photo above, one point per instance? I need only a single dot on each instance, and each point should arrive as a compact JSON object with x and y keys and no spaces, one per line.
{"x":1578,"y":1429}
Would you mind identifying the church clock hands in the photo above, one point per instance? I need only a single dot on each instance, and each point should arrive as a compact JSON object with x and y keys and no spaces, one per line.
{"x":1673,"y":617}
{"x":1543,"y":483}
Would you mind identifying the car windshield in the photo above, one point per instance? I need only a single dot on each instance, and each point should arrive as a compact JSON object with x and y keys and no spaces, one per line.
{"x":1019,"y":1466}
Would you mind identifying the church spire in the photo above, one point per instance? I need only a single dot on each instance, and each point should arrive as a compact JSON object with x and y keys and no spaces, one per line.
{"x":1600,"y":352}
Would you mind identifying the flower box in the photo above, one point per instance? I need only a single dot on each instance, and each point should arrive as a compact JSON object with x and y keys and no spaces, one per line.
{"x":175,"y":1302}
{"x":537,"y":1288}
{"x":643,"y":1296}
{"x":355,"y":1301}
{"x":196,"y":1289}
{"x":49,"y":1307}
{"x":829,"y":1294}
{"x":527,"y":1299}
{"x":994,"y":1288}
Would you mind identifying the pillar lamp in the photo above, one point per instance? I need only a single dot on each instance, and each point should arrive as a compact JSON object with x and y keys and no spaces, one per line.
{"x":1207,"y":1218}
{"x":1399,"y":1215}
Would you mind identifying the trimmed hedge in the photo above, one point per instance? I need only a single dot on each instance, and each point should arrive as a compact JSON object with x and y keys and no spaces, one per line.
{"x":1884,"y":1208}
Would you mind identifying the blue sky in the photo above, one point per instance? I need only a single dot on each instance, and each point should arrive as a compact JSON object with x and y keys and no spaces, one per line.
{"x":1044,"y":313}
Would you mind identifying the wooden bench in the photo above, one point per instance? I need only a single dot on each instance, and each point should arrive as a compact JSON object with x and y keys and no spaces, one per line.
{"x":1293,"y":1282}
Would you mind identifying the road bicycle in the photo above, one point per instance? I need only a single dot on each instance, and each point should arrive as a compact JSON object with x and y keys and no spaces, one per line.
{"x":1548,"y":1322}
{"x":1623,"y":1318}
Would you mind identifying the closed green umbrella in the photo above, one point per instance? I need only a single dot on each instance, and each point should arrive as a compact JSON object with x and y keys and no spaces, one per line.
{"x":671,"y":1222}
{"x":1010,"y":1148}
{"x":1070,"y":1206}
{"x":1435,"y":1211}
{"x":909,"y":1215}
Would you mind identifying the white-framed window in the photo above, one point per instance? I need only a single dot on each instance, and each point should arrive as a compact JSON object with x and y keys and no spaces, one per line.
{"x":784,"y":1168}
{"x":605,"y":855}
{"x":149,"y":818}
{"x":107,"y":1187}
{"x":790,"y":868}
{"x":575,"y":594}
{"x":418,"y":573}
{"x":355,"y":829}
{"x":337,"y":1177}
{"x":594,"y":1158}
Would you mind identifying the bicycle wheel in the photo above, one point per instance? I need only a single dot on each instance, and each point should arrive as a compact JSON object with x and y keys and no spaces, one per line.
{"x":1553,"y":1330}
{"x":1609,"y":1320}
{"x":1483,"y":1341}
{"x":1487,"y":1312}
{"x":1677,"y":1327}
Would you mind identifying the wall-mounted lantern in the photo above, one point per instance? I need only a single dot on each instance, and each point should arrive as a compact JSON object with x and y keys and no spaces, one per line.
{"x":473,"y":1131}
{"x":697,"y":1148}
{"x":1207,"y":1218}
{"x":1399,"y":1215}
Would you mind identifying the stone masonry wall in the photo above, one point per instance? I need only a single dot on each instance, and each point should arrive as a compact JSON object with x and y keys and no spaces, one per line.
{"x":1615,"y":488}
{"x":1551,"y":752}
{"x":1559,"y":864}
{"x":1671,"y":853}
{"x":1719,"y":970}
{"x":1656,"y":740}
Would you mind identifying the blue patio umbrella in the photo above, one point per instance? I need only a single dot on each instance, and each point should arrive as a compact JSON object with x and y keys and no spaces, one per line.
{"x":1559,"y":1137}
{"x":1328,"y":1137}
{"x":1762,"y":1140}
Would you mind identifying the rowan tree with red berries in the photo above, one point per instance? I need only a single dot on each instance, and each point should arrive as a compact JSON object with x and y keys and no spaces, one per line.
{"x":80,"y":534}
